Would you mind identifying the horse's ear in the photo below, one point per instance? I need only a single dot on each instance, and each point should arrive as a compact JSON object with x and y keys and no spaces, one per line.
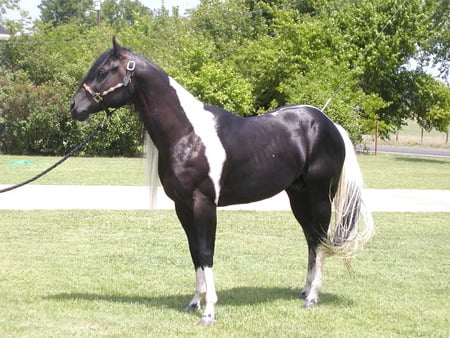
{"x":116,"y":47}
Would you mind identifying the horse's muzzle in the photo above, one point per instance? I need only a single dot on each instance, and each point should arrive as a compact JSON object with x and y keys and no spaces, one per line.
{"x":80,"y":115}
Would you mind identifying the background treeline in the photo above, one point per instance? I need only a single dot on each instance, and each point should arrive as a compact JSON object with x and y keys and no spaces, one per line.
{"x":248,"y":56}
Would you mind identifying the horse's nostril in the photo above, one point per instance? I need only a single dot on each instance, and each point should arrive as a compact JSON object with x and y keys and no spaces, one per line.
{"x":72,"y":104}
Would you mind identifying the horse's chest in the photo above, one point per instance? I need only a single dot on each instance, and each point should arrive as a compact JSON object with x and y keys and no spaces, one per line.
{"x":188,"y":151}
{"x":188,"y":169}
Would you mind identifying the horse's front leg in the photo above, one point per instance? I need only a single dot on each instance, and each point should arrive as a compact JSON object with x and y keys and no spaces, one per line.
{"x":209,"y":292}
{"x":205,"y":289}
{"x":200,"y":227}
{"x":200,"y":291}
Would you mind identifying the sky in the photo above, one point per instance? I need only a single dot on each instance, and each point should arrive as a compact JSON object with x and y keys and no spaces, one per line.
{"x":31,"y":6}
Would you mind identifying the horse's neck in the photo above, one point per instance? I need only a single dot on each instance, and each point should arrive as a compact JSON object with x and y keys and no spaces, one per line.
{"x":159,"y":104}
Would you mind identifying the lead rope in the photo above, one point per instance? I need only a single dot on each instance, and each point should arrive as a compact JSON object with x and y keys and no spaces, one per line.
{"x":69,"y":154}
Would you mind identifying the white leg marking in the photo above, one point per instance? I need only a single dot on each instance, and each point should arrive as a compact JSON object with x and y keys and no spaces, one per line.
{"x":309,"y":278}
{"x":316,"y":283}
{"x":204,"y":125}
{"x":200,"y":290}
{"x":208,"y":316}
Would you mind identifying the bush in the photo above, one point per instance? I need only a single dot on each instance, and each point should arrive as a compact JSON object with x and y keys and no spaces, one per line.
{"x":35,"y":119}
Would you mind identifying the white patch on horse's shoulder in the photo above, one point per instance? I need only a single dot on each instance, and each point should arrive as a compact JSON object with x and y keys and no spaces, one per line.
{"x":204,"y":125}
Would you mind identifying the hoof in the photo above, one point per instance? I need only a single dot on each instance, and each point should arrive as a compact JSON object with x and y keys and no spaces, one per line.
{"x":206,"y":321}
{"x":192,"y":307}
{"x":308,"y":304}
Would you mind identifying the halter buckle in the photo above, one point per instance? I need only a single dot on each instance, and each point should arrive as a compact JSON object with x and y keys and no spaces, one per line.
{"x":97,"y":97}
{"x":131,"y":65}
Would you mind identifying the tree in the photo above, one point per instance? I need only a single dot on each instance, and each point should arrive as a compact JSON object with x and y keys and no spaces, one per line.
{"x":429,"y":101}
{"x":248,"y":56}
{"x":437,"y":44}
{"x":228,"y":24}
{"x":124,"y":12}
{"x":381,"y":38}
{"x":42,"y":72}
{"x":59,"y":12}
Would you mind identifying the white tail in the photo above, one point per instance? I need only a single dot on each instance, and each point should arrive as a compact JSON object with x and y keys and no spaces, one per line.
{"x":152,"y":169}
{"x":353,"y":225}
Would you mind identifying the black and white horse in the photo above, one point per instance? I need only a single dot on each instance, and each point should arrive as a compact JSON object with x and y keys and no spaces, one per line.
{"x":209,"y":157}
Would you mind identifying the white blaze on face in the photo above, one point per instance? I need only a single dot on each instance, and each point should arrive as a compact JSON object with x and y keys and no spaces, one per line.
{"x":204,"y":125}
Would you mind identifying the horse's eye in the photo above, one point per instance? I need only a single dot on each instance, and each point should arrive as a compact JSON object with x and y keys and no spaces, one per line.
{"x":101,"y":74}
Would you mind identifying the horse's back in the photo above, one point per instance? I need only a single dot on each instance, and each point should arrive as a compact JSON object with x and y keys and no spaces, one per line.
{"x":268,"y":153}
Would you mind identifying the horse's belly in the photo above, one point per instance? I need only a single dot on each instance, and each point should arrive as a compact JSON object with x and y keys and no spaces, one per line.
{"x":257,"y":185}
{"x":245,"y":196}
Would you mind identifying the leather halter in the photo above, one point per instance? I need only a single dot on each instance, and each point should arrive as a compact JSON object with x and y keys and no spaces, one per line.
{"x":98,"y":97}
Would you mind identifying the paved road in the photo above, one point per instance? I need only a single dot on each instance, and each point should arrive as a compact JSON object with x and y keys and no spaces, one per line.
{"x":53,"y":197}
{"x":415,"y":151}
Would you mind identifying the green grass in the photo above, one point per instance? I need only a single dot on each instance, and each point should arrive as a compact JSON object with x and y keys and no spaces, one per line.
{"x":385,"y":171}
{"x":380,"y":172}
{"x":76,"y":170}
{"x":128,"y":274}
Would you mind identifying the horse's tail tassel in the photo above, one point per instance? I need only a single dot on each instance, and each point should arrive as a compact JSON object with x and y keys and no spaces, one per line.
{"x":353,"y":225}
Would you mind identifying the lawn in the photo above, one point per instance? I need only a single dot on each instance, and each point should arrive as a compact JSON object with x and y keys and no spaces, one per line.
{"x":386,"y":171}
{"x":128,"y":274}
{"x":383,"y":171}
{"x":76,"y":170}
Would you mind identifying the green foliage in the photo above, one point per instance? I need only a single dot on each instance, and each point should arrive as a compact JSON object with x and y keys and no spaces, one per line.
{"x":438,"y":42}
{"x":48,"y":66}
{"x":248,"y":56}
{"x":58,"y":12}
{"x":431,"y":103}
{"x":35,"y":120}
{"x":29,"y":116}
{"x":124,"y":12}
{"x":123,"y":135}
{"x":220,"y":85}
{"x":227,"y":24}
{"x":350,"y":107}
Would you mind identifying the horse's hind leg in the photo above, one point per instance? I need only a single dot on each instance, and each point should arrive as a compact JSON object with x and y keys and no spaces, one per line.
{"x":310,"y":292}
{"x":313,"y":215}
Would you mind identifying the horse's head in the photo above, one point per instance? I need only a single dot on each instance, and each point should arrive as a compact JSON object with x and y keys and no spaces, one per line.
{"x":106,"y":85}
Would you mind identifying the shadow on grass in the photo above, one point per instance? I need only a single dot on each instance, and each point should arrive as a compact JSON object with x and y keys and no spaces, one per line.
{"x":240,"y":296}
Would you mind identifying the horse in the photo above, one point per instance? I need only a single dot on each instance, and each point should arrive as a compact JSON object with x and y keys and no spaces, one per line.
{"x":209,"y":157}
